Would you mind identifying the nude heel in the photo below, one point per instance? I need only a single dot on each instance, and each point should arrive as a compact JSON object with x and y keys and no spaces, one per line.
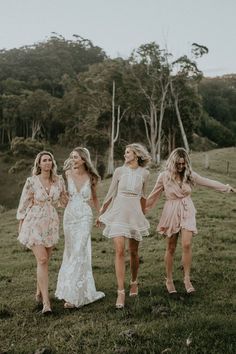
{"x":120,"y":302}
{"x":133,"y":293}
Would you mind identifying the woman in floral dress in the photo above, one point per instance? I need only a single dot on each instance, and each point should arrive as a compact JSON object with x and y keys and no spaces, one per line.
{"x":38,"y":218}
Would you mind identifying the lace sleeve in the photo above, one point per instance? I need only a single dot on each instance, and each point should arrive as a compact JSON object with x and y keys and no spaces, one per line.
{"x":112,"y":190}
{"x":145,"y":183}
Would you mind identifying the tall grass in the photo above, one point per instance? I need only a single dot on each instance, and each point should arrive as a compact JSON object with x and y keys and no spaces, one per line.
{"x":152,"y":323}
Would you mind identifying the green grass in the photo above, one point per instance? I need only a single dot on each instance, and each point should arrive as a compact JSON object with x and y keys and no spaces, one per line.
{"x":152,"y":323}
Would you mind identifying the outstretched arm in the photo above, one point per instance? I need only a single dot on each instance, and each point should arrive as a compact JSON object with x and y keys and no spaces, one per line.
{"x":210,"y":183}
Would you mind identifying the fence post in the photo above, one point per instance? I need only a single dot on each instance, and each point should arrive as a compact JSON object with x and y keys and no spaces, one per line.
{"x":206,"y":161}
{"x":227,"y":167}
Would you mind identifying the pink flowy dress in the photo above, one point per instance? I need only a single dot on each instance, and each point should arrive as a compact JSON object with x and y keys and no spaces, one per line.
{"x":179,"y":211}
{"x":37,"y":210}
{"x":124,"y":215}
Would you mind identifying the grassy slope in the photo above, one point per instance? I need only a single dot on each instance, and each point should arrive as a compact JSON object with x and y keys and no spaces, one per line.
{"x":152,"y":323}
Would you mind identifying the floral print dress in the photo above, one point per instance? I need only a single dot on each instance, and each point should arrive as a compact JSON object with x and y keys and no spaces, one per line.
{"x":37,"y":210}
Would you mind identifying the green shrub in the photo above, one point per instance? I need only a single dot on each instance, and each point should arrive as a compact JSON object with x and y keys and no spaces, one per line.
{"x":20,"y":165}
{"x":29,"y":147}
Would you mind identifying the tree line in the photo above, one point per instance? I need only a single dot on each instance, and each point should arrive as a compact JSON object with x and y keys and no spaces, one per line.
{"x":70,"y":92}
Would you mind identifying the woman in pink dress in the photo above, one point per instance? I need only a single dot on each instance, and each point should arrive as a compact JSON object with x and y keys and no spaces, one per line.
{"x":122,"y":214}
{"x":38,"y":219}
{"x":178,"y":215}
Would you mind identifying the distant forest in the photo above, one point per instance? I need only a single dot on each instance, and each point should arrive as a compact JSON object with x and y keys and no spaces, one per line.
{"x":69,"y":92}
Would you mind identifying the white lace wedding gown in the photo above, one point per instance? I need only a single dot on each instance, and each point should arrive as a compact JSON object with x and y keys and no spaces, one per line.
{"x":75,"y":279}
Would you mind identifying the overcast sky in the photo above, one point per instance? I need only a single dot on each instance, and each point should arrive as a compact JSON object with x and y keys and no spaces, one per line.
{"x":118,"y":26}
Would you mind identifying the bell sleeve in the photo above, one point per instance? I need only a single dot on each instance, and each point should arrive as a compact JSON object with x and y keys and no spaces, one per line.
{"x":155,"y":193}
{"x":210,"y":183}
{"x":26,"y":200}
{"x":145,"y":183}
{"x":112,"y":191}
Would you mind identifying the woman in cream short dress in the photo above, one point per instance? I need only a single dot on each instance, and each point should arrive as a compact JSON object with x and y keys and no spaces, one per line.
{"x":122,"y":214}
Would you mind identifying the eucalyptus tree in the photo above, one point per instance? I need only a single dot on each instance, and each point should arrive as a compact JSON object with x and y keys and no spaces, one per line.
{"x":103,"y":84}
{"x":162,"y":82}
{"x":35,"y":111}
{"x":151,"y":70}
{"x":9,"y":116}
{"x":186,"y":78}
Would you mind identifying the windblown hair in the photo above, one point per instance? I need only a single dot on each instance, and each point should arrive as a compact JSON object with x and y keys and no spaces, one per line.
{"x":36,"y":170}
{"x":85,"y":156}
{"x":141,"y":152}
{"x":171,"y":165}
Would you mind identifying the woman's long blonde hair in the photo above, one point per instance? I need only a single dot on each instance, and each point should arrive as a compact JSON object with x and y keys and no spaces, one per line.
{"x":141,"y":152}
{"x":36,"y":170}
{"x":85,"y":156}
{"x":171,"y":165}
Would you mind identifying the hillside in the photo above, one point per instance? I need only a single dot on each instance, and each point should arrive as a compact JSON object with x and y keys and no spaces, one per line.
{"x":152,"y":323}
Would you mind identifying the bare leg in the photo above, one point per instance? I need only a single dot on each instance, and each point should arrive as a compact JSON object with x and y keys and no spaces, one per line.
{"x":187,"y":258}
{"x":119,"y":244}
{"x":171,"y":243}
{"x":134,"y":266}
{"x":42,"y":255}
{"x":38,"y":292}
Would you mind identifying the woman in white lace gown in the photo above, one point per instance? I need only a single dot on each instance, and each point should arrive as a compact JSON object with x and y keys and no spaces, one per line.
{"x":75,"y":283}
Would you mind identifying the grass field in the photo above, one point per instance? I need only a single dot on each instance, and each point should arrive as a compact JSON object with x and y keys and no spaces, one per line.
{"x":152,"y":323}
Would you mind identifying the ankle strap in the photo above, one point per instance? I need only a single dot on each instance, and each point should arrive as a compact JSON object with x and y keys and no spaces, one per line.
{"x":121,"y":291}
{"x":135,"y":282}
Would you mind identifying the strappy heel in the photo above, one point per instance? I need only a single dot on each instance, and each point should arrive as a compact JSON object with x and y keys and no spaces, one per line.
{"x":170,"y":286}
{"x":188,"y":286}
{"x":133,"y":293}
{"x":46,"y":309}
{"x":120,"y":302}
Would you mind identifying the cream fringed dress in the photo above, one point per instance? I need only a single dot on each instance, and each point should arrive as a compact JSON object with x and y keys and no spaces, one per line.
{"x":179,"y":211}
{"x":124,"y":216}
{"x":37,"y":210}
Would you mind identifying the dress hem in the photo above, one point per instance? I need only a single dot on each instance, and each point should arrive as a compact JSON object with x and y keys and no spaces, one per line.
{"x":176,"y":232}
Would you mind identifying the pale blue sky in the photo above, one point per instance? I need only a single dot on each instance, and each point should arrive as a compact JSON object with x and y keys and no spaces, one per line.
{"x":118,"y":26}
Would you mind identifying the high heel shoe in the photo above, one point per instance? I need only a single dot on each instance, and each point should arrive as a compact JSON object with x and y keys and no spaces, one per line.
{"x":170,"y":286}
{"x":46,"y":309}
{"x":132,"y":284}
{"x":120,"y":302}
{"x":68,"y":305}
{"x":188,"y":286}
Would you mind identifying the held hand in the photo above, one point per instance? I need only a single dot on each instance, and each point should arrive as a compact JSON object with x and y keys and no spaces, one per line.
{"x":98,"y":223}
{"x":64,"y":199}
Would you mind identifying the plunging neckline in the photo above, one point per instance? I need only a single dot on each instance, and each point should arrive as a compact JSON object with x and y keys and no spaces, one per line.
{"x":82,"y":185}
{"x":44,"y":188}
